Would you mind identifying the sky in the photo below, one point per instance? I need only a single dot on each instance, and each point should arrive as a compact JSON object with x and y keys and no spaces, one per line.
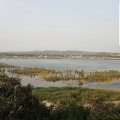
{"x":84,"y":25}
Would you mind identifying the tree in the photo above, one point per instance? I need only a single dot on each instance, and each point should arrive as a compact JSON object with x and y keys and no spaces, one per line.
{"x":18,"y":103}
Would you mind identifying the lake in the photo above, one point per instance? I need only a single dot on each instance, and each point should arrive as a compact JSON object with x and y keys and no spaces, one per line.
{"x":61,"y":64}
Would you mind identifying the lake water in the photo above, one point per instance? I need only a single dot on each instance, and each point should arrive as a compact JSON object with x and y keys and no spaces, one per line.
{"x":60,"y":64}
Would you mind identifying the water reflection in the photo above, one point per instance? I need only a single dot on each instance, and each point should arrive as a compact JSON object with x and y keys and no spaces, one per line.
{"x":39,"y":82}
{"x":113,"y":85}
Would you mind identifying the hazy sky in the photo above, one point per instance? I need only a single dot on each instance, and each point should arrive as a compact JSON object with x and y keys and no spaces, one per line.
{"x":85,"y":25}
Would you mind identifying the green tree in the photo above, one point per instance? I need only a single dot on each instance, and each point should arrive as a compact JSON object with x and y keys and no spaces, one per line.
{"x":18,"y":103}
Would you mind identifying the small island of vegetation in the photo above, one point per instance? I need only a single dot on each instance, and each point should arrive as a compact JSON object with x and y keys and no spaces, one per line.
{"x":79,"y":76}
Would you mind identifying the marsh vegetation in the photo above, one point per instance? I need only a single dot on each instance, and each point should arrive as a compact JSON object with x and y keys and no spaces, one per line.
{"x":80,"y":96}
{"x":79,"y":76}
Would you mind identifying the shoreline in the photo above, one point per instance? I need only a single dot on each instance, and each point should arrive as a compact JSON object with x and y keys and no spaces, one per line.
{"x":63,"y":58}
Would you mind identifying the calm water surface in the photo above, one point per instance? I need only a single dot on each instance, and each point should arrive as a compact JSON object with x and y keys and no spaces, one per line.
{"x":60,"y":64}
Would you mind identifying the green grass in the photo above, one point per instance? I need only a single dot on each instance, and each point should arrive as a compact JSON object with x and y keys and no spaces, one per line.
{"x":65,"y":95}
